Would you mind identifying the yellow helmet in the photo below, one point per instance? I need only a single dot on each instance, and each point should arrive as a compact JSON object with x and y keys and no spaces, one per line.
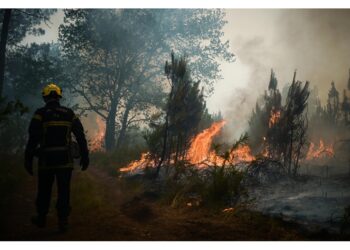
{"x":48,"y":89}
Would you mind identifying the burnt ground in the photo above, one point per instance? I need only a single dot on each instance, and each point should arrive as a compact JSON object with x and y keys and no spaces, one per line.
{"x":108,"y":208}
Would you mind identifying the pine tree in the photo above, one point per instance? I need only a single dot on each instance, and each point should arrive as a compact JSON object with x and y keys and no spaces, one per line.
{"x":333,"y":104}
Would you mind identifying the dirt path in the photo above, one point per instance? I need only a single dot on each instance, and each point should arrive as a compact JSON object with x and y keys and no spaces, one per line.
{"x":104,"y":208}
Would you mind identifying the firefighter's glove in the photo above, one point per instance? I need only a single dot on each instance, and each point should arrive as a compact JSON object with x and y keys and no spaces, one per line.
{"x":84,"y":163}
{"x":28,"y":165}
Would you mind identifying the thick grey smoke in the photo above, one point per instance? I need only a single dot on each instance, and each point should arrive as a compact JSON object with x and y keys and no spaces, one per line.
{"x":315,"y":42}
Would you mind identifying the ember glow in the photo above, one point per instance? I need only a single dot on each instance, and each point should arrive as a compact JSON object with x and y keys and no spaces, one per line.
{"x":274,"y":117}
{"x":200,"y":153}
{"x":322,"y":151}
{"x":97,"y":141}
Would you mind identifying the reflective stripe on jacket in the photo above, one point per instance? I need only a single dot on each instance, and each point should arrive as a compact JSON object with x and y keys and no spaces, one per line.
{"x":50,"y":136}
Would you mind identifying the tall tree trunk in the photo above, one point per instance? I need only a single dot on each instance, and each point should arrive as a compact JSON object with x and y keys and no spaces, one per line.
{"x":122,"y":132}
{"x":162,"y":157}
{"x":164,"y":144}
{"x":290,"y":151}
{"x":110,"y":127}
{"x":3,"y":41}
{"x":110,"y":121}
{"x":177,"y":148}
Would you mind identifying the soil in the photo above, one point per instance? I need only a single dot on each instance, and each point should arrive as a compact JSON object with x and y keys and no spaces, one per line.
{"x":107,"y":208}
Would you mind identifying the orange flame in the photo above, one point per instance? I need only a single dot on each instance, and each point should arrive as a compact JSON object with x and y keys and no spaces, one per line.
{"x":229,"y":209}
{"x":97,"y":141}
{"x":274,"y":117}
{"x":242,"y":154}
{"x":200,"y":145}
{"x":321,"y":152}
{"x":199,"y":153}
{"x":138,"y":164}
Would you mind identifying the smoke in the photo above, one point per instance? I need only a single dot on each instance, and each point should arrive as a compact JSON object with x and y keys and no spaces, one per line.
{"x":315,"y":42}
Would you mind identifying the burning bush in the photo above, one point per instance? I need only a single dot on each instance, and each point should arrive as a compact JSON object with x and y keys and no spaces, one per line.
{"x":206,"y":177}
{"x":281,"y":130}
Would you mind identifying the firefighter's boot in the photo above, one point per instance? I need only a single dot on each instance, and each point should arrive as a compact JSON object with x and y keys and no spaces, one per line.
{"x":39,"y":221}
{"x":63,"y":224}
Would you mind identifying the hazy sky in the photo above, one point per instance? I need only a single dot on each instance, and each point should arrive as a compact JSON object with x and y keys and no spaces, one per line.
{"x":315,"y":42}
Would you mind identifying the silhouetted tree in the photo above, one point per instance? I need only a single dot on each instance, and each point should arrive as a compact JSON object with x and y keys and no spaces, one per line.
{"x":260,"y":126}
{"x":294,"y":124}
{"x":183,"y":113}
{"x":345,"y":107}
{"x":28,"y":69}
{"x":349,"y":81}
{"x":333,"y":105}
{"x":15,"y":25}
{"x":279,"y":130}
{"x":114,"y":50}
{"x":3,"y":42}
{"x":273,"y":81}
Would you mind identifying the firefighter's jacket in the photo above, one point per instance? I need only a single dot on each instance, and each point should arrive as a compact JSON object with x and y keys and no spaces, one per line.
{"x":50,"y":136}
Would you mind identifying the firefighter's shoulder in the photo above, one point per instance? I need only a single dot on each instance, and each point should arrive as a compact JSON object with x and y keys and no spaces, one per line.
{"x":64,"y":109}
{"x":69,"y":111}
{"x":38,"y":114}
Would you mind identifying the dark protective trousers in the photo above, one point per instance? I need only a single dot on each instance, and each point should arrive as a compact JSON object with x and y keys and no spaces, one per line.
{"x":46,"y":179}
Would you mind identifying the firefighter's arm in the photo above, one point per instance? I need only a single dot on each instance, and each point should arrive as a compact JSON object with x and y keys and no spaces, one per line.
{"x":35,"y":133}
{"x":78,"y":131}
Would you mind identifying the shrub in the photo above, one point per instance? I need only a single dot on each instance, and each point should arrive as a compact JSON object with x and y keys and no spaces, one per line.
{"x":213,"y":188}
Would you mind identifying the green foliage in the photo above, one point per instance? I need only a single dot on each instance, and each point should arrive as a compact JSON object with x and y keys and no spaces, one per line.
{"x":284,"y":136}
{"x":212,"y":188}
{"x":153,"y":138}
{"x":273,"y":81}
{"x":114,"y":56}
{"x":345,"y":108}
{"x":334,"y":116}
{"x":349,"y":81}
{"x":9,"y":108}
{"x":291,"y":128}
{"x":28,"y":69}
{"x":31,"y":67}
{"x":243,"y":139}
{"x":24,"y":22}
{"x":270,"y":103}
{"x":333,"y":103}
{"x":12,"y":126}
{"x":223,"y":186}
{"x":184,"y":108}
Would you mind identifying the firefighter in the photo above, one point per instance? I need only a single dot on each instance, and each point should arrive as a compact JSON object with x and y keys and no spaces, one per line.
{"x":50,"y":140}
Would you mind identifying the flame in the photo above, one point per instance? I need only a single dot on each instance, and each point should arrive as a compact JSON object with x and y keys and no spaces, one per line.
{"x":200,"y":145}
{"x":274,"y":117}
{"x":97,"y":141}
{"x":138,"y":164}
{"x":321,"y":152}
{"x":242,"y":154}
{"x":199,"y":153}
{"x":229,"y":209}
